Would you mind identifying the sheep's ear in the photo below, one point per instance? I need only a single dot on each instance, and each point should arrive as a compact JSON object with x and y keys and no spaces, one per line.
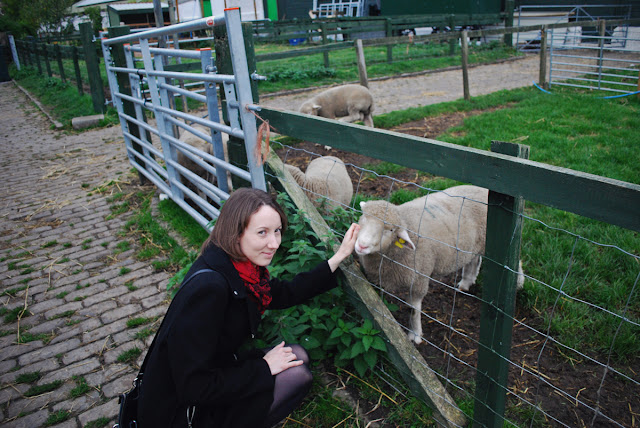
{"x":316,"y":107}
{"x":402,"y":234}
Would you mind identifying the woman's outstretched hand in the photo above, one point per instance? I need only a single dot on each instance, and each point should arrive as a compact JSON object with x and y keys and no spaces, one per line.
{"x":281,"y":358}
{"x":346,"y":248}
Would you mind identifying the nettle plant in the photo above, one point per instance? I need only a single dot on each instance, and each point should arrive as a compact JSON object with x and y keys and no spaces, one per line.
{"x":328,"y":327}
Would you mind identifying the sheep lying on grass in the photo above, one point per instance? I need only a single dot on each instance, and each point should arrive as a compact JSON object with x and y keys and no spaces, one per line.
{"x":202,"y":145}
{"x":349,"y":103}
{"x":325,"y":176}
{"x":403,"y":246}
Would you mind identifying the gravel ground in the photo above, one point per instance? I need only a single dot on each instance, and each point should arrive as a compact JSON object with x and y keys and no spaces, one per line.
{"x":431,"y":88}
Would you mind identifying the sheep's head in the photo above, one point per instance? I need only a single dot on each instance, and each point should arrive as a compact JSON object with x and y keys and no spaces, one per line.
{"x":310,"y":108}
{"x":380,"y":227}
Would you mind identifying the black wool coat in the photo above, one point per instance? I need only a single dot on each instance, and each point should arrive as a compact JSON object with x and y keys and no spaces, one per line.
{"x":195,"y":360}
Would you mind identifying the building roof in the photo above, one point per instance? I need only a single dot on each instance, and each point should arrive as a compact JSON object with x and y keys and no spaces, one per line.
{"x":136,"y":6}
{"x":85,"y":3}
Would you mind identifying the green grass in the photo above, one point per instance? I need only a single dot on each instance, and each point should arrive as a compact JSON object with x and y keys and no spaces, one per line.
{"x":129,"y":356}
{"x":185,"y":225}
{"x":137,"y":322}
{"x":57,"y":417}
{"x":81,"y":388}
{"x":98,"y":423}
{"x":51,"y":91}
{"x":43,"y":389}
{"x":309,"y":70}
{"x":28,"y":377}
{"x":583,"y":132}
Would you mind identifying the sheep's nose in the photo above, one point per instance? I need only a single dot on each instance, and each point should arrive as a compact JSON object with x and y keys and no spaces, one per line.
{"x":361,"y":248}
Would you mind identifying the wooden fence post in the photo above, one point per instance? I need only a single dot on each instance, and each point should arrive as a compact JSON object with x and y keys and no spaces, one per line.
{"x":508,"y":21}
{"x":389,"y":33}
{"x":47,"y":63}
{"x":542,"y":80}
{"x":325,"y":40}
{"x":36,"y":56}
{"x":76,"y":68}
{"x":465,"y":64}
{"x":452,"y":41}
{"x":362,"y":66}
{"x":504,"y":233}
{"x":93,"y":67}
{"x":58,"y":54}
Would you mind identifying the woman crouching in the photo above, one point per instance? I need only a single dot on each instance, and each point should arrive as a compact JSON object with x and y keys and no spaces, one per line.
{"x":195,"y":374}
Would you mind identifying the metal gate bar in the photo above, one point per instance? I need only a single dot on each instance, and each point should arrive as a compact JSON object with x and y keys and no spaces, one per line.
{"x":594,"y":65}
{"x":152,"y":89}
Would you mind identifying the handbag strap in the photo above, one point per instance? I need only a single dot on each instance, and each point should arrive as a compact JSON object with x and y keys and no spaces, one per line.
{"x":144,"y":363}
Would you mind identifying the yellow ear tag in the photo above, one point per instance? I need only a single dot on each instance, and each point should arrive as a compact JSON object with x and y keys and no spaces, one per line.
{"x":399,"y":243}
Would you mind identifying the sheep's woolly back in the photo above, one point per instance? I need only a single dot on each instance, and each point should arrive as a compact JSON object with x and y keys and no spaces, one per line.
{"x":338,"y":101}
{"x":325,"y":176}
{"x":437,"y":224}
{"x":204,"y":146}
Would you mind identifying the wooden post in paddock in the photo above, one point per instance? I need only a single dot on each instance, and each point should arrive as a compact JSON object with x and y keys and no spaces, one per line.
{"x":542,"y":80}
{"x":502,"y":248}
{"x":464,"y":44}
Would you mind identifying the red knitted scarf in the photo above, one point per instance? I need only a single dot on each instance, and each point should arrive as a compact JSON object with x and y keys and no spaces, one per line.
{"x":256,"y":280}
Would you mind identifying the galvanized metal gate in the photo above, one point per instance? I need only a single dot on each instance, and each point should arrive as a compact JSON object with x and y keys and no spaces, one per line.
{"x":155,"y":89}
{"x":605,"y":62}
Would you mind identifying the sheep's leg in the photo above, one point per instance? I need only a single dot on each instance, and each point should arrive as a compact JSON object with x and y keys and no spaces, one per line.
{"x":368,"y":120}
{"x":520,"y":282}
{"x":352,"y":117}
{"x":470,"y":273}
{"x":415,"y":300}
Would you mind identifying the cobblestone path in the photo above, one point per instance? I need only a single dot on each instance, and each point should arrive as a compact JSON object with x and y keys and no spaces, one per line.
{"x":66,"y":288}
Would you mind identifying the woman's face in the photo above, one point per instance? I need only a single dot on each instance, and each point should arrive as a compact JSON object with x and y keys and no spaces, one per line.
{"x":262,"y":237}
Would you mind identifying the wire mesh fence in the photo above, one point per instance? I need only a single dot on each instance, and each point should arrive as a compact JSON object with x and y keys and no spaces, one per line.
{"x":573,"y":360}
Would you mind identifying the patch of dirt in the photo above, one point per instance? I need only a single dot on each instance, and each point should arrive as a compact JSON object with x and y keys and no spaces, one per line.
{"x":566,"y":386}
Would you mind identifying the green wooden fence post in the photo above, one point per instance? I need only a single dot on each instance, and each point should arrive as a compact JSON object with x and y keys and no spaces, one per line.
{"x":452,"y":42}
{"x":508,"y":21}
{"x":504,"y":229}
{"x":389,"y":33}
{"x":36,"y":56}
{"x":325,"y":40}
{"x":235,"y":146}
{"x":58,"y":54}
{"x":76,"y":68}
{"x":45,"y":51}
{"x":93,"y":67}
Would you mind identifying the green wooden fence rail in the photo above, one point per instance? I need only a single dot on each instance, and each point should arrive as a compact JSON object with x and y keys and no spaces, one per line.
{"x":351,"y":27}
{"x":452,"y":37}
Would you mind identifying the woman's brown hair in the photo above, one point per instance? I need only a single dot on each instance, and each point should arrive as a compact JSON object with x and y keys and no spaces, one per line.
{"x":234,"y":218}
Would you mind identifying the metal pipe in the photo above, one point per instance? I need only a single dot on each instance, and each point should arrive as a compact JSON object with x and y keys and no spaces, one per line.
{"x":198,"y":24}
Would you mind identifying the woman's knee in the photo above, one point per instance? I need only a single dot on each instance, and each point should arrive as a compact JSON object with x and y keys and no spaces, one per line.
{"x":301,"y":353}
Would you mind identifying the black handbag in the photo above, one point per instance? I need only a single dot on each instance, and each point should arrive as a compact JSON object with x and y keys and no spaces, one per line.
{"x":128,"y":413}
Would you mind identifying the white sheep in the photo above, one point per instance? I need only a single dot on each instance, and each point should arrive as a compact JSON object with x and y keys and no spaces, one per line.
{"x":325,"y":176}
{"x":349,"y":103}
{"x":402,"y":246}
{"x":204,"y":146}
